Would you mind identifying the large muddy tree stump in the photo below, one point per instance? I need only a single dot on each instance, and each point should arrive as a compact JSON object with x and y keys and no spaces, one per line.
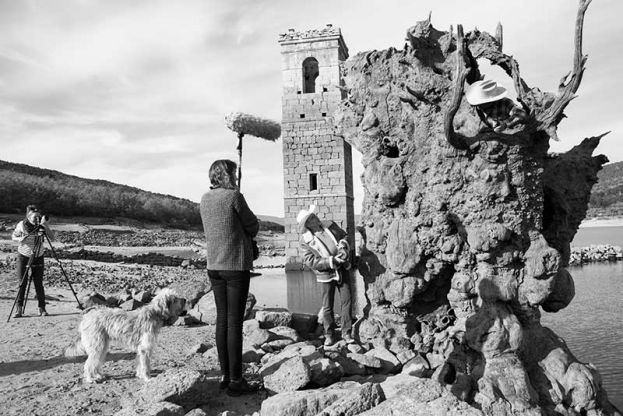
{"x":467,"y":230}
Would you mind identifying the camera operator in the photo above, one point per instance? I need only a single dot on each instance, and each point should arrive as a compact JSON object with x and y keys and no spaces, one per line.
{"x":28,"y":232}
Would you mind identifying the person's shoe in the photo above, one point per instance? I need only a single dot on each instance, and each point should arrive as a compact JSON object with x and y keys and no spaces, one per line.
{"x":224,"y":383}
{"x":19,"y":313}
{"x":329,"y":340}
{"x":348,"y":338}
{"x":238,"y":388}
{"x":42,"y":312}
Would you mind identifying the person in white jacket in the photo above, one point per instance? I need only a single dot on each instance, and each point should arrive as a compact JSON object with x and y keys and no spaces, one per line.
{"x":27,"y":233}
{"x":327,"y":252}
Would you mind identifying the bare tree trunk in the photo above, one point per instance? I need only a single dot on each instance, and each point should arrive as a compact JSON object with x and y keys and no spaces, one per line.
{"x":468,"y":230}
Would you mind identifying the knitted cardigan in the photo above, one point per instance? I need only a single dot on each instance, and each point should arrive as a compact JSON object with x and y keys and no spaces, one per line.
{"x":325,"y":269}
{"x":229,"y":227}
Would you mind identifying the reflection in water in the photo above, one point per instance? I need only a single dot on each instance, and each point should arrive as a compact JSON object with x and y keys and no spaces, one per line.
{"x":299,"y":291}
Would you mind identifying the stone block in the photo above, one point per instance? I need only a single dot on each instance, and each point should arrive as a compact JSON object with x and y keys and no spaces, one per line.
{"x":188,"y":388}
{"x":204,"y":310}
{"x":292,"y":374}
{"x":272,"y":318}
{"x":325,"y":371}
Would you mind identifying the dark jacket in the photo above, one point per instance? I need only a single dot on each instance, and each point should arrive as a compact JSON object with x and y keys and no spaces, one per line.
{"x":229,"y":227}
{"x":325,"y":268}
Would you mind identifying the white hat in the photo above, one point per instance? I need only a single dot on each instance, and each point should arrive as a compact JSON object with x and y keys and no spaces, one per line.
{"x":486,"y":91}
{"x":302,"y":217}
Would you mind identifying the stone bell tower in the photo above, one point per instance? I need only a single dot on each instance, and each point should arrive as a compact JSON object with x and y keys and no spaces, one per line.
{"x":317,"y":165}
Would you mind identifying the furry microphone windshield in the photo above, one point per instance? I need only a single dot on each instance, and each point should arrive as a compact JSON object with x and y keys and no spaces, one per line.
{"x":255,"y":126}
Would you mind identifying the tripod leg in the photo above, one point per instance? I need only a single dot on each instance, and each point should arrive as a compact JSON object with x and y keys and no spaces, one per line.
{"x":22,"y":282}
{"x":27,"y":290}
{"x":63,"y":271}
{"x":31,"y":260}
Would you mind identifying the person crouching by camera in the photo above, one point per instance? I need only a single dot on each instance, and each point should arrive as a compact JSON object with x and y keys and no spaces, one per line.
{"x":327,"y":253}
{"x":30,"y":233}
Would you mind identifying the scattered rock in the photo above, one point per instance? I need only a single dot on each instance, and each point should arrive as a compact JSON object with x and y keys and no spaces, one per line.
{"x":325,"y":371}
{"x":350,"y":366}
{"x":306,"y":402}
{"x":94,"y":299}
{"x":389,"y":362}
{"x":270,"y":318}
{"x":365,"y":359}
{"x":154,"y":409}
{"x":292,"y":374}
{"x":192,"y":290}
{"x":416,"y":367}
{"x":205,"y":310}
{"x":198,"y":348}
{"x":356,"y":401}
{"x":258,"y":337}
{"x":131,"y":305}
{"x":197,"y":412}
{"x":304,"y":324}
{"x":143,"y":296}
{"x":284,"y":332}
{"x":187,"y":388}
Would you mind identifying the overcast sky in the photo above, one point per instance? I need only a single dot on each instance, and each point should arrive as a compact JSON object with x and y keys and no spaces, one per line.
{"x":135,"y":92}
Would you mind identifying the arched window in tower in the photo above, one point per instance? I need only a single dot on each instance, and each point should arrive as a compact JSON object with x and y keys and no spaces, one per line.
{"x":310,"y":73}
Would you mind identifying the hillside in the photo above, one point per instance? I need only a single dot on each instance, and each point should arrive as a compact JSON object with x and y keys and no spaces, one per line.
{"x":607,"y":196}
{"x":65,"y":195}
{"x":62,"y":195}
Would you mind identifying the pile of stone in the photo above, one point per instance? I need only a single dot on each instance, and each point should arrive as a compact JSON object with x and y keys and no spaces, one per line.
{"x":130,"y":238}
{"x":192,"y":290}
{"x":152,"y":258}
{"x":304,"y":377}
{"x":595,"y":253}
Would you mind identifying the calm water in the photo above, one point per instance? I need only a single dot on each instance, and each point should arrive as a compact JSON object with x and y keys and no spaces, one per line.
{"x":598,"y":235}
{"x":592,"y":325}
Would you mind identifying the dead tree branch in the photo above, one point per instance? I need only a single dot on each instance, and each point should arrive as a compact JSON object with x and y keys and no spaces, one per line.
{"x":459,"y":80}
{"x":569,"y":84}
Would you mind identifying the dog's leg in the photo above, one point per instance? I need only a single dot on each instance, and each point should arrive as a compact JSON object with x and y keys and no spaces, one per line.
{"x":95,"y":346}
{"x":143,"y":370}
{"x":102,"y":359}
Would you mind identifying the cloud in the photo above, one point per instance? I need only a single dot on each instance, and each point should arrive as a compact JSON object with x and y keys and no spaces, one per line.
{"x":135,"y":92}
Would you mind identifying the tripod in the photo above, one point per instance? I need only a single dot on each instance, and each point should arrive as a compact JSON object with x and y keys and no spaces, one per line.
{"x":40,"y":237}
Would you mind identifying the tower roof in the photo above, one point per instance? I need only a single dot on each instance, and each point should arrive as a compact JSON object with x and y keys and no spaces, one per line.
{"x":327,"y":32}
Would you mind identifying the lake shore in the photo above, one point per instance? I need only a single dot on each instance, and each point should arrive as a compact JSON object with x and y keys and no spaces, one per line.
{"x":602,"y":222}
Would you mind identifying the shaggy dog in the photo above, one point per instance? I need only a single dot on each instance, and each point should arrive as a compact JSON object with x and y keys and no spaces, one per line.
{"x":136,"y":330}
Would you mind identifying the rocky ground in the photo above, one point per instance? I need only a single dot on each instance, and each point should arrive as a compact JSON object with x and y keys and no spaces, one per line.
{"x":283,"y":353}
{"x":35,"y":377}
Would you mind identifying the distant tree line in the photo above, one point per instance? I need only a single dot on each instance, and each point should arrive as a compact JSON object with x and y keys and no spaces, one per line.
{"x":64,"y":195}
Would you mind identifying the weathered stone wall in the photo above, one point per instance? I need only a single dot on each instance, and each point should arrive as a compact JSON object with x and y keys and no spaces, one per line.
{"x":465,"y":244}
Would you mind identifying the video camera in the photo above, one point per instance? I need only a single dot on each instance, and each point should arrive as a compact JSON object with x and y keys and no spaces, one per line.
{"x":39,"y":216}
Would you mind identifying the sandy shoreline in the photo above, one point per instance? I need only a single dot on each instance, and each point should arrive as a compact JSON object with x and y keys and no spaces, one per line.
{"x":602,"y":222}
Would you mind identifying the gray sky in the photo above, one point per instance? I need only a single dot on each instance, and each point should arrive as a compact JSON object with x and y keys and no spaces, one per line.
{"x":135,"y":92}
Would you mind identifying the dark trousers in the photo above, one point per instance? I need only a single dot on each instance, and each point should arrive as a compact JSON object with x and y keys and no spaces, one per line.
{"x":328,"y":294}
{"x":231,"y":289}
{"x":36,"y":271}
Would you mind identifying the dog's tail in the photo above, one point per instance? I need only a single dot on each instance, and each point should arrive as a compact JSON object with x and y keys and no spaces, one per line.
{"x":76,"y":349}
